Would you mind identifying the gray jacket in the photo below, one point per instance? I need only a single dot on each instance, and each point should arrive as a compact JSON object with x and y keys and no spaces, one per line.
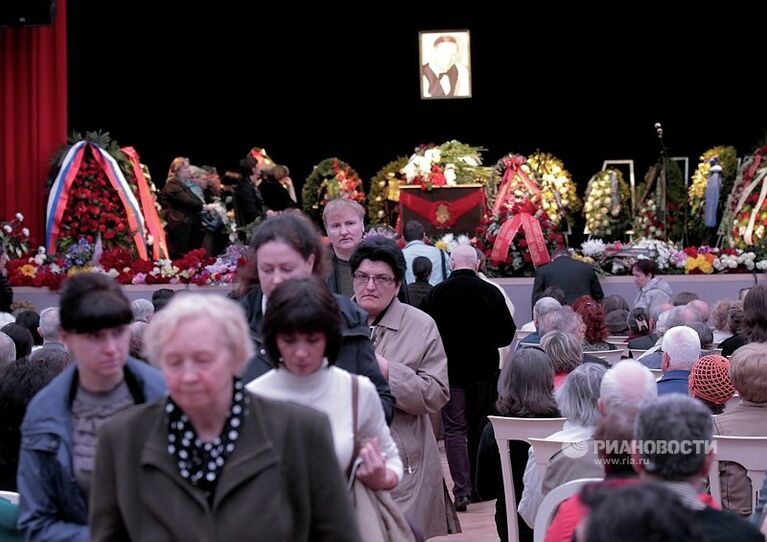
{"x":51,"y":504}
{"x":656,"y":292}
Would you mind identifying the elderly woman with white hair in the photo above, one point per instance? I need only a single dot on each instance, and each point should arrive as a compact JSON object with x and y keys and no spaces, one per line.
{"x":217,"y":461}
{"x":577,"y":401}
{"x":142,"y":310}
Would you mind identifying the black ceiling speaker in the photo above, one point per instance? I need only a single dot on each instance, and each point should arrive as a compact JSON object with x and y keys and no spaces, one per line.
{"x":27,"y":12}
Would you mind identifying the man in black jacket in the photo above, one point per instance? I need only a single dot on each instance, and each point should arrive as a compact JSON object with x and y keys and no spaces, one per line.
{"x":574,"y":277}
{"x":474,"y":322}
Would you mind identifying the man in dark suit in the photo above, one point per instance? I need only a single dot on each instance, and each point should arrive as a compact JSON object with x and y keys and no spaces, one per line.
{"x":574,"y":277}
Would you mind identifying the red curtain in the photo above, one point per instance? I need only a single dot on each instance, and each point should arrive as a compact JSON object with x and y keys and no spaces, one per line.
{"x":33,"y":115}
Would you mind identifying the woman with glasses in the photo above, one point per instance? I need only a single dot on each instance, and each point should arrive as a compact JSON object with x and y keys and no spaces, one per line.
{"x":410,"y":352}
{"x":288,"y":246}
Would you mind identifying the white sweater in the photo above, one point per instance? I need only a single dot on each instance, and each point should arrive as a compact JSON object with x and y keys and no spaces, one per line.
{"x":329,"y":390}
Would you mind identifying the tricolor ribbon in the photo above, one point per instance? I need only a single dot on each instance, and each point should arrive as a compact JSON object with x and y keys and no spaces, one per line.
{"x":442,"y":214}
{"x":59,"y":195}
{"x":514,"y":168}
{"x":536,"y":242}
{"x":129,"y":201}
{"x":153,"y":223}
{"x":62,"y":185}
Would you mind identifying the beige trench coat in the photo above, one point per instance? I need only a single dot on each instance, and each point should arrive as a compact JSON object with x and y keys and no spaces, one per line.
{"x":409,"y":339}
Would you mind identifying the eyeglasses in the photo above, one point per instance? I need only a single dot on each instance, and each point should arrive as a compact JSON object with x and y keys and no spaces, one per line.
{"x":378,"y":280}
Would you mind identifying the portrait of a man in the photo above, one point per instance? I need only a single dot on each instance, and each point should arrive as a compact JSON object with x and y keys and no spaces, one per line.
{"x":445,"y":64}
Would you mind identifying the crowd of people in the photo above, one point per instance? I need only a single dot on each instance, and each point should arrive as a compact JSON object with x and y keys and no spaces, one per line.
{"x":330,"y":373}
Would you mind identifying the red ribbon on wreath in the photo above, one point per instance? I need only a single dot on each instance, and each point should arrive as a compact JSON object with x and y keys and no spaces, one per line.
{"x":536,"y":242}
{"x":442,"y":214}
{"x":513,"y":168}
{"x":146,"y":199}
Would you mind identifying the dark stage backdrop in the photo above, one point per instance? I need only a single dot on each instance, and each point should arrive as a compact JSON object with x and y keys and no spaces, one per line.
{"x":210,"y":80}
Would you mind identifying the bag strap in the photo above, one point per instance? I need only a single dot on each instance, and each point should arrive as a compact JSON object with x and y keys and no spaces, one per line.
{"x":355,"y":428}
{"x":444,"y":267}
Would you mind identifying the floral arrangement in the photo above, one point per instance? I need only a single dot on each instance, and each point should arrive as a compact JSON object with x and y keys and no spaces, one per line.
{"x":518,"y":193}
{"x":381,"y":231}
{"x":94,"y":207}
{"x":448,"y":242}
{"x":44,"y":270}
{"x":330,"y":179}
{"x":726,"y":158}
{"x":384,"y":192}
{"x":524,"y":184}
{"x":559,"y":195}
{"x":617,"y":258}
{"x":606,"y":209}
{"x":449,"y":164}
{"x":14,"y":238}
{"x":518,"y":260}
{"x":745,"y":219}
{"x":648,"y":222}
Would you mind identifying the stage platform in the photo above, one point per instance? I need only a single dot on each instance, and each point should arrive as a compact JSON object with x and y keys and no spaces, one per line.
{"x":709,"y":287}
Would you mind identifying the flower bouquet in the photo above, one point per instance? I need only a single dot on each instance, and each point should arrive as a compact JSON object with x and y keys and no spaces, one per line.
{"x":100,"y":190}
{"x":330,"y":179}
{"x":518,"y":261}
{"x":449,"y":164}
{"x":14,"y":238}
{"x":745,"y":219}
{"x":723,"y":160}
{"x":449,"y":242}
{"x":607,"y":204}
{"x":559,"y":195}
{"x":384,"y":193}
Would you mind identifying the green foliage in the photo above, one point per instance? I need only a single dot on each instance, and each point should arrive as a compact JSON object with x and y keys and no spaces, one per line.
{"x":379,"y":188}
{"x":330,"y":179}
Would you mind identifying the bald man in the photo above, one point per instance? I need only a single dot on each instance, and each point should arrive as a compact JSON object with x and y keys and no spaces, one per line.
{"x":474,"y":321}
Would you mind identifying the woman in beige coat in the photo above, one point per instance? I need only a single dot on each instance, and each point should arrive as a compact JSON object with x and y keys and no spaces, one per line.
{"x":410,"y":352}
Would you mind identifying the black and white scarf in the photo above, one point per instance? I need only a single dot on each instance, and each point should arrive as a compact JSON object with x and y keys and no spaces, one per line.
{"x":201,"y":462}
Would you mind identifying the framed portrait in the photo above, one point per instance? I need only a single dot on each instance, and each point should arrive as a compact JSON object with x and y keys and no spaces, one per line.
{"x":445,"y":64}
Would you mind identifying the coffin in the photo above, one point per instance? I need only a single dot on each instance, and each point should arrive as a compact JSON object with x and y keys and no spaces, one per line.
{"x":448,"y":209}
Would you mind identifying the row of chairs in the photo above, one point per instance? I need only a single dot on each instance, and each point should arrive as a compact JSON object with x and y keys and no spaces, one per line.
{"x":750,"y":452}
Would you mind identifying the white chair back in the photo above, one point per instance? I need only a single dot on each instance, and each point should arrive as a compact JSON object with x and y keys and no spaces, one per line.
{"x":10,"y":496}
{"x":622,"y":346}
{"x":553,"y":500}
{"x":544,"y":450}
{"x":636,"y":353}
{"x":749,"y":452}
{"x":657,"y":373}
{"x":610,"y":356}
{"x":507,"y":429}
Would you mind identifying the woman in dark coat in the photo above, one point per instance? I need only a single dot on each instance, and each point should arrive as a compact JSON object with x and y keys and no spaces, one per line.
{"x":211,"y":461}
{"x":181,"y":209}
{"x":289,"y":246}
